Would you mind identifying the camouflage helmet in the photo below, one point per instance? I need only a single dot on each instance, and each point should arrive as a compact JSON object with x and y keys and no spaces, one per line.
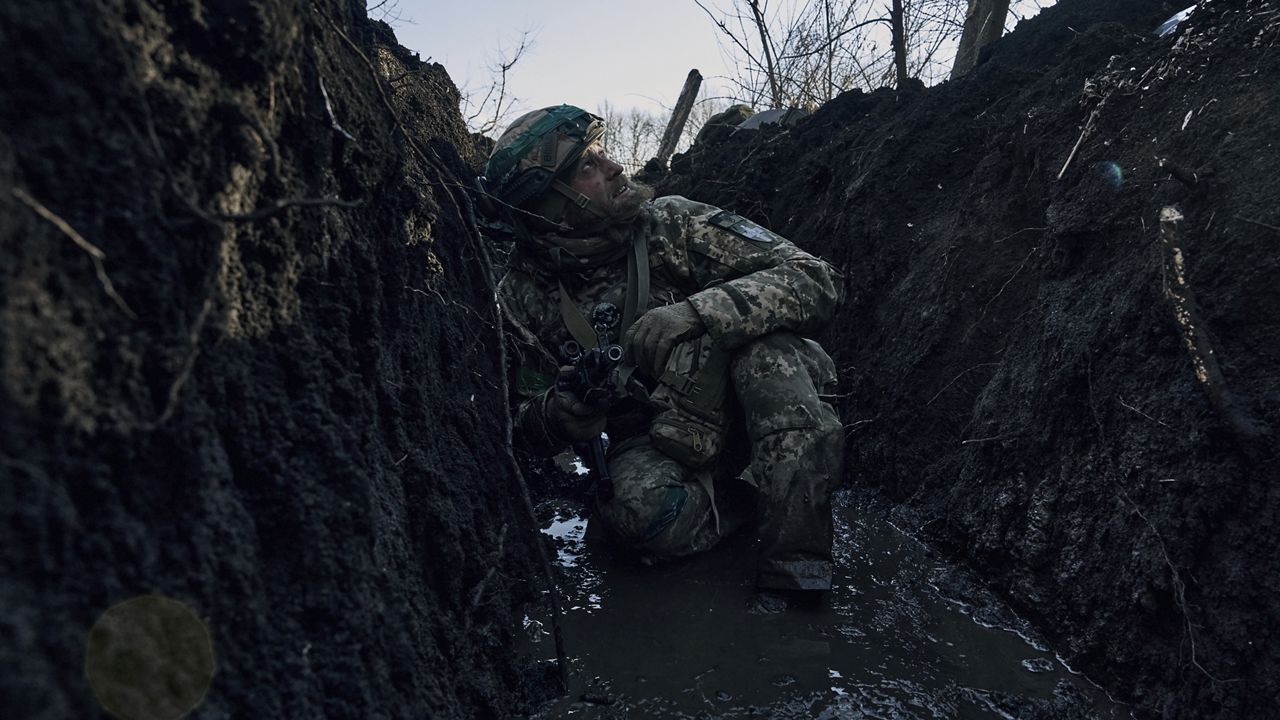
{"x":537,"y":148}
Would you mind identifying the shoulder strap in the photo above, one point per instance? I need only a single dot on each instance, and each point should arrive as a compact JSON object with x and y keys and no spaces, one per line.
{"x":637,"y":282}
{"x":578,"y":325}
{"x":637,"y":296}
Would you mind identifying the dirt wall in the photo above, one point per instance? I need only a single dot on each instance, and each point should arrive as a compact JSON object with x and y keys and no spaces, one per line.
{"x":248,"y":362}
{"x":1013,"y":342}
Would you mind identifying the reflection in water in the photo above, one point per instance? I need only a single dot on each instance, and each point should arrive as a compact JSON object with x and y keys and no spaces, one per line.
{"x":676,"y":640}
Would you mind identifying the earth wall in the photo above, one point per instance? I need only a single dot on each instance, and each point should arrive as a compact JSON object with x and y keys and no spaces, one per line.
{"x":1029,"y":359}
{"x":249,"y":362}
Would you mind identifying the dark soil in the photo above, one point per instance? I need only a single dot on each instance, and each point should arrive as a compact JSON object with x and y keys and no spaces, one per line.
{"x":290,"y":419}
{"x":1017,"y":380}
{"x":275,"y":395}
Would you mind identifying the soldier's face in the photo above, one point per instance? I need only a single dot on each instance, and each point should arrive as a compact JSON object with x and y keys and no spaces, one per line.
{"x":600,"y":178}
{"x":609,"y":189}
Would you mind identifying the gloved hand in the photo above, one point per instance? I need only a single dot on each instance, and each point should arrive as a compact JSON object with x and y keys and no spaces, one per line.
{"x":650,"y":340}
{"x":571,"y":419}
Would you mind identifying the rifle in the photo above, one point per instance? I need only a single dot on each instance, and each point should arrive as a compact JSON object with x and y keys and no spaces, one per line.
{"x":592,"y":380}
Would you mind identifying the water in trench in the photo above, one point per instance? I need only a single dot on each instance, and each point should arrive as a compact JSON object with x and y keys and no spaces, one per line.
{"x":889,"y":641}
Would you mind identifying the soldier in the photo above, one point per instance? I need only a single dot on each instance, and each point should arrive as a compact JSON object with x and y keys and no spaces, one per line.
{"x":720,"y":389}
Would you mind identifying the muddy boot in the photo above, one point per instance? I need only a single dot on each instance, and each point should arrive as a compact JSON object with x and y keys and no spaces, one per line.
{"x":797,"y":453}
{"x":798,"y":470}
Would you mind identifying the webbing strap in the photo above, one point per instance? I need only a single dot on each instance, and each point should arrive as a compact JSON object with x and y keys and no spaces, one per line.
{"x":577,"y":198}
{"x":703,"y":393}
{"x":637,"y":282}
{"x":636,"y":302}
{"x":577,"y":323}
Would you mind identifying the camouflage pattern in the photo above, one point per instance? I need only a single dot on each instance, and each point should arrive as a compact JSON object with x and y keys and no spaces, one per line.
{"x":533,"y":150}
{"x":758,"y":295}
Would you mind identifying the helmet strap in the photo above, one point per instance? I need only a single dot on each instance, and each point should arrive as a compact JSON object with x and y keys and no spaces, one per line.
{"x":582,"y":201}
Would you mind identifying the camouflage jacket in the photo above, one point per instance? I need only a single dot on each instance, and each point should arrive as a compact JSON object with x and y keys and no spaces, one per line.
{"x":742,"y":280}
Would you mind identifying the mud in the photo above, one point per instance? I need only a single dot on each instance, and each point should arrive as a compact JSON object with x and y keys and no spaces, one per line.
{"x":277,"y":399}
{"x":249,"y":364}
{"x":1019,"y":385}
{"x":901,"y":634}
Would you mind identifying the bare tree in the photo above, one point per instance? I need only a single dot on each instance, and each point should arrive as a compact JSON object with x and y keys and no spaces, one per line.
{"x":494,"y":108}
{"x":802,"y":53}
{"x":899,"y":30}
{"x":632,"y":136}
{"x":388,"y":11}
{"x":983,"y":25}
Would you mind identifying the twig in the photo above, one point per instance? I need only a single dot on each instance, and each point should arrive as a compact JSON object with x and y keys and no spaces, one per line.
{"x":471,"y":226}
{"x":1088,"y":126}
{"x":954,"y":379}
{"x":184,"y":374}
{"x":1256,"y":222}
{"x":853,"y":426}
{"x":1154,"y":420}
{"x":1179,"y":587}
{"x":478,"y":592}
{"x":1000,"y":292}
{"x":94,"y":251}
{"x":993,"y":438}
{"x":328,"y":106}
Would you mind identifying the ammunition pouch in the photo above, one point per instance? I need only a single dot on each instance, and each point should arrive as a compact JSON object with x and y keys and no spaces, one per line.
{"x":693,"y":389}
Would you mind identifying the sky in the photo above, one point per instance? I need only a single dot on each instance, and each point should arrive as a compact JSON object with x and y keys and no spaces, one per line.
{"x":630,"y":54}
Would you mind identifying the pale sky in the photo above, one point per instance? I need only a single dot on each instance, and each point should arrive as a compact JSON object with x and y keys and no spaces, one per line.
{"x":629,"y":54}
{"x":632,"y":54}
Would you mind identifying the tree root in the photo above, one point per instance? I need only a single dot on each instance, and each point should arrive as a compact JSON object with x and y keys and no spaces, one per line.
{"x":471,"y":226}
{"x":1195,"y":336}
{"x":94,"y":251}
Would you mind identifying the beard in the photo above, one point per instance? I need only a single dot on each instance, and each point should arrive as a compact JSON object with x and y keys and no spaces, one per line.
{"x":622,"y":209}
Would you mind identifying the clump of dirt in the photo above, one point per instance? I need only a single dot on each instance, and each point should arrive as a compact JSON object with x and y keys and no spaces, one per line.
{"x":1046,"y":387}
{"x":249,"y":362}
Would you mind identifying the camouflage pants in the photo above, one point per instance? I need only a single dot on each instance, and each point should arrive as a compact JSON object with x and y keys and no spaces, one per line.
{"x":796,"y":450}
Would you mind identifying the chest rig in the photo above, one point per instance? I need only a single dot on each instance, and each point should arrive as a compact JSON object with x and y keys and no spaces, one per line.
{"x":691,"y":391}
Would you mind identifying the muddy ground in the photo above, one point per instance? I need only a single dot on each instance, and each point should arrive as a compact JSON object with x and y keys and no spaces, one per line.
{"x":249,"y":362}
{"x":1017,"y":379}
{"x":274,"y":393}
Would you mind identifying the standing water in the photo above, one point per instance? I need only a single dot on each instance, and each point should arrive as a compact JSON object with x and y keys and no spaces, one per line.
{"x":678,"y":640}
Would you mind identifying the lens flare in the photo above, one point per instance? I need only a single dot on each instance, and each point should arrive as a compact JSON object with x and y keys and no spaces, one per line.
{"x":1111,"y":174}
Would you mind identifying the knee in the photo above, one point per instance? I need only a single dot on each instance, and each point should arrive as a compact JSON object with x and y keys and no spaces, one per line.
{"x":660,"y":520}
{"x":779,"y":380}
{"x":786,"y":357}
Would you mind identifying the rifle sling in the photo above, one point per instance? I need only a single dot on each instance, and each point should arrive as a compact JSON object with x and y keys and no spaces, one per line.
{"x":637,"y":297}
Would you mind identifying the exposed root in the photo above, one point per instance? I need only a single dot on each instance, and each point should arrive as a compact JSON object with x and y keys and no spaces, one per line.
{"x":469,"y":223}
{"x":1195,"y":336}
{"x":1179,"y":589}
{"x":1259,"y":223}
{"x":993,"y":438}
{"x":94,"y":251}
{"x":184,"y":374}
{"x":478,"y":593}
{"x":328,"y":106}
{"x":954,"y":379}
{"x":1084,"y":133}
{"x":987,"y":306}
{"x":1130,"y":407}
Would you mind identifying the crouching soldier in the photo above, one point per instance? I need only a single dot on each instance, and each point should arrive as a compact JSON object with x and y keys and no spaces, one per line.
{"x":719,"y":383}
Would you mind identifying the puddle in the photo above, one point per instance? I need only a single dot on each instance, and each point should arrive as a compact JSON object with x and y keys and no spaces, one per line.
{"x":889,"y":641}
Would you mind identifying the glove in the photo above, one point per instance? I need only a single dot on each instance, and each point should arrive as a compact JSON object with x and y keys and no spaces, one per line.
{"x":570,"y":419}
{"x":651,"y":339}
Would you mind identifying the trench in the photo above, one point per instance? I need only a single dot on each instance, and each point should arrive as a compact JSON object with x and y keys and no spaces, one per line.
{"x":903,"y":634}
